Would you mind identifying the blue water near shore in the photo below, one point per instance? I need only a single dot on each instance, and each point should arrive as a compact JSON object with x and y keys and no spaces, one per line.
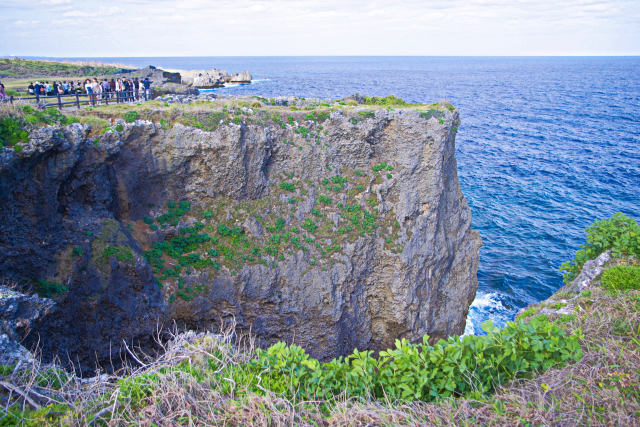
{"x":546,"y":146}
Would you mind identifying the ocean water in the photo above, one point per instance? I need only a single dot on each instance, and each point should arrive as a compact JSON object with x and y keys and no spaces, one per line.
{"x":546,"y":146}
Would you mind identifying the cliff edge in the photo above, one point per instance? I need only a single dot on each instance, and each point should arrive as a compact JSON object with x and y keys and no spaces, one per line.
{"x":333,"y":228}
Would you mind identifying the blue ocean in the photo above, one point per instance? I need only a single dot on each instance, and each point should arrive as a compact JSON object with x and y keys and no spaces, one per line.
{"x":546,"y":146}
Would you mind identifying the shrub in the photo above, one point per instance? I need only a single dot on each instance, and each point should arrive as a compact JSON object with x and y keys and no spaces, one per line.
{"x":288,"y":186}
{"x":131,"y":116}
{"x":309,"y":225}
{"x":431,"y":113}
{"x":48,"y":289}
{"x":122,"y":253}
{"x":620,"y":234}
{"x":12,"y":132}
{"x":621,"y":277}
{"x":119,"y":128}
{"x":381,"y":166}
{"x":223,"y":230}
{"x":384,"y":101}
{"x":324,"y":200}
{"x":470,"y":367}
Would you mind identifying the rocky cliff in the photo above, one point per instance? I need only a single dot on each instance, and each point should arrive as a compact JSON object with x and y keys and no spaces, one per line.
{"x":333,"y":230}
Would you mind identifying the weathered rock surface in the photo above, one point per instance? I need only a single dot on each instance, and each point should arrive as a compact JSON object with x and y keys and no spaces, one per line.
{"x":243,"y":77}
{"x":18,"y":313}
{"x":591,"y":269}
{"x":213,"y":78}
{"x":65,"y":199}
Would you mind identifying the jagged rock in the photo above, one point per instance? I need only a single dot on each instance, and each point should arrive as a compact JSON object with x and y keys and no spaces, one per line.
{"x":18,"y":314}
{"x":591,"y":269}
{"x":243,"y":77}
{"x":366,"y":298}
{"x":205,"y":78}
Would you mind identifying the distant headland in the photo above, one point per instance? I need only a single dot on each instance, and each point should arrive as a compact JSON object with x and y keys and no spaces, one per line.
{"x":16,"y":73}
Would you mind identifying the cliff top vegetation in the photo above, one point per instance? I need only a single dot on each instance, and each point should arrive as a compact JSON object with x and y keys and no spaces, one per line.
{"x":207,"y":114}
{"x":28,"y":68}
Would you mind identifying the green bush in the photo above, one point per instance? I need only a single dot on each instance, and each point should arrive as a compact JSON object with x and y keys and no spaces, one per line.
{"x":620,"y":234}
{"x":131,"y":116}
{"x":48,"y":289}
{"x":621,"y":277}
{"x":12,"y":131}
{"x":119,"y":128}
{"x":288,"y":186}
{"x":384,"y":101}
{"x":471,"y":367}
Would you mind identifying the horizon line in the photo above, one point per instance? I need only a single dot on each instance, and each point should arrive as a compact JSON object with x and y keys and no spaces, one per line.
{"x":328,"y":56}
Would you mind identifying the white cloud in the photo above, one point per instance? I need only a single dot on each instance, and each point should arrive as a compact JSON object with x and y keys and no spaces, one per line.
{"x":304,"y":27}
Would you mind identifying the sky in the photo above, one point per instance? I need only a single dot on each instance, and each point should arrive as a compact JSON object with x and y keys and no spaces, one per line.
{"x":124,"y":28}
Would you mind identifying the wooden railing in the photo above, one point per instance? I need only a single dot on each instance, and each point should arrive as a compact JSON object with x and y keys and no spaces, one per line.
{"x":80,"y":99}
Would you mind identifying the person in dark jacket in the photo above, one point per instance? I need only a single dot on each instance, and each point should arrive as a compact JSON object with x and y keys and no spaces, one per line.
{"x":147,"y":88}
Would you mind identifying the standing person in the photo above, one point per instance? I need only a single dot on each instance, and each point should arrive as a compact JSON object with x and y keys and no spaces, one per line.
{"x":3,"y":94}
{"x":112,"y":87}
{"x":48,"y":88}
{"x":147,"y":88}
{"x":119,"y":89}
{"x":127,"y":90}
{"x":31,"y":89}
{"x":105,"y":89}
{"x":97,"y":90}
{"x":136,"y":86}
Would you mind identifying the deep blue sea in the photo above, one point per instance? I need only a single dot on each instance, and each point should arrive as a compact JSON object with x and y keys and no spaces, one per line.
{"x":546,"y":146}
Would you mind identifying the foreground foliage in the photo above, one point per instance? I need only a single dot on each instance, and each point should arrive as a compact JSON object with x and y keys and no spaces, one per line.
{"x":620,"y":234}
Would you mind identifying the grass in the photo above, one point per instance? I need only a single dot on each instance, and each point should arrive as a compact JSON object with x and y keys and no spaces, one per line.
{"x":186,"y":385}
{"x":16,"y":67}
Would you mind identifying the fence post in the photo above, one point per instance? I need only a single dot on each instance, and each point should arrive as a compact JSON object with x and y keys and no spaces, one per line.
{"x":77,"y":100}
{"x":11,"y":99}
{"x":37,"y":98}
{"x":59,"y":102}
{"x":93,"y":102}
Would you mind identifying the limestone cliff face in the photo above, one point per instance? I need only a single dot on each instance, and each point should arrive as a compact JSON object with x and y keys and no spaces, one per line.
{"x":349,"y":233}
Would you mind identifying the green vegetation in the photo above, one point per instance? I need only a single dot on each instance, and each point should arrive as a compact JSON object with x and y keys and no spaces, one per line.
{"x":16,"y":123}
{"x":622,"y":277}
{"x":131,"y":116}
{"x":432,"y":112}
{"x":569,"y":369}
{"x":40,"y":68}
{"x":48,"y":289}
{"x":384,"y":101}
{"x":288,"y":186}
{"x":122,"y":253}
{"x":620,"y":234}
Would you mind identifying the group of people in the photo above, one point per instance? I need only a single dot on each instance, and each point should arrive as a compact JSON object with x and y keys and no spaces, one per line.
{"x":123,"y":89}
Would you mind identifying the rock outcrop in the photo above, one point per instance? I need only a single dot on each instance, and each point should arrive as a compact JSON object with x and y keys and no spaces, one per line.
{"x":213,"y":78}
{"x":18,"y":314}
{"x":243,"y":77}
{"x":350,"y":232}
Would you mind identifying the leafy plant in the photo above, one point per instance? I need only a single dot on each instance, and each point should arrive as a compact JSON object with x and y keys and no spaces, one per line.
{"x":49,"y":289}
{"x":471,"y":367}
{"x":131,"y":116}
{"x":620,"y":234}
{"x":288,"y":186}
{"x":621,"y":277}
